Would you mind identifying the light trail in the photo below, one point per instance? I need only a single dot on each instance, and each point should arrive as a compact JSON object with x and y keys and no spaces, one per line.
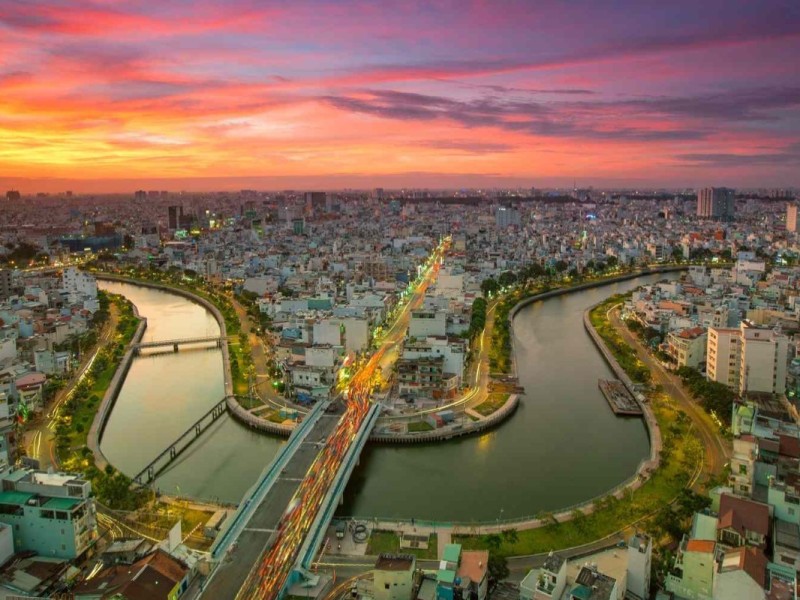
{"x":270,"y":572}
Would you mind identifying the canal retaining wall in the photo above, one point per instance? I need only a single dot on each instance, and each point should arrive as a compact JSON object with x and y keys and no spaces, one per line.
{"x":653,"y":430}
{"x":253,"y":421}
{"x":112,"y":392}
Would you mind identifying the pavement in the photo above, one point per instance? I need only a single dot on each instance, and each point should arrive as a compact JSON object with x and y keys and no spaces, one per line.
{"x":717,"y":452}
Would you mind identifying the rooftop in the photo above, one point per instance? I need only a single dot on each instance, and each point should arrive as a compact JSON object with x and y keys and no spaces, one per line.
{"x":395,"y":562}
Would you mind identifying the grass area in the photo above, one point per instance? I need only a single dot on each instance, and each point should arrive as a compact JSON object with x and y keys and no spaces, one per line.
{"x":76,"y":413}
{"x":388,"y":541}
{"x":681,"y":454}
{"x":493,"y":402}
{"x":625,"y":355}
{"x":247,"y":402}
{"x":419,"y":426}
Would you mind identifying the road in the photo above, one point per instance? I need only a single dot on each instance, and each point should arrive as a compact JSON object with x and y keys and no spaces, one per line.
{"x":717,"y":452}
{"x":282,"y":535}
{"x":42,"y":431}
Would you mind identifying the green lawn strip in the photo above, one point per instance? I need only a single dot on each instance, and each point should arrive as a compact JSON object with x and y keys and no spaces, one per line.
{"x":381,"y":542}
{"x":679,"y":459}
{"x":419,"y":426}
{"x":77,"y":412}
{"x":493,"y":402}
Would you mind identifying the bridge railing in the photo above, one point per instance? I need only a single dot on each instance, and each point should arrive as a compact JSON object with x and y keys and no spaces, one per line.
{"x":320,"y":525}
{"x":255,"y":494}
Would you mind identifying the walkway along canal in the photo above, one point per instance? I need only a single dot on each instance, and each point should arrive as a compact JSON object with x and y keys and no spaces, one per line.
{"x":562,"y":446}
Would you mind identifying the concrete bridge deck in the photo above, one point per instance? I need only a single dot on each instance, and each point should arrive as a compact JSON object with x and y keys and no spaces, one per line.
{"x":236,"y":563}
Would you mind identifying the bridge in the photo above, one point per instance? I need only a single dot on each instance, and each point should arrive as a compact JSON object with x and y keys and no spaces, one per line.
{"x":216,"y":340}
{"x":272,"y":541}
{"x":174,"y":450}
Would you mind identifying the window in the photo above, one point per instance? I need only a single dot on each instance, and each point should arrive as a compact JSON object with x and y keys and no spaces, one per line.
{"x":386,"y":586}
{"x":742,"y":469}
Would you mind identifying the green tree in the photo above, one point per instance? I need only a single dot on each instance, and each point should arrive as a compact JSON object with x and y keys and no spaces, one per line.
{"x":510,"y":536}
{"x":489,"y":286}
{"x":498,"y":567}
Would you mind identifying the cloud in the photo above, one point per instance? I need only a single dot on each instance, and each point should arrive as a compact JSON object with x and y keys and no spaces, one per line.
{"x":517,"y":116}
{"x":789,"y":156}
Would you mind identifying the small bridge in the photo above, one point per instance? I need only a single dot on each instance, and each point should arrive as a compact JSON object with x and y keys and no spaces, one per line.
{"x":174,"y":450}
{"x":216,"y":340}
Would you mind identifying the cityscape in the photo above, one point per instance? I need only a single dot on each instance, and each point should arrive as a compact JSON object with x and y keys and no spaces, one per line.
{"x":393,"y":301}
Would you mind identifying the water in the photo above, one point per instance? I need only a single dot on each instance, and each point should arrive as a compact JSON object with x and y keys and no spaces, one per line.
{"x":562,"y":446}
{"x":165,"y":393}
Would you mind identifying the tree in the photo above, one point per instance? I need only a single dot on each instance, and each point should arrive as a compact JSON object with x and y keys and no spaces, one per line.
{"x":507,"y":278}
{"x":510,"y":535}
{"x":498,"y":567}
{"x":493,"y":541}
{"x":489,"y":286}
{"x":561,"y":266}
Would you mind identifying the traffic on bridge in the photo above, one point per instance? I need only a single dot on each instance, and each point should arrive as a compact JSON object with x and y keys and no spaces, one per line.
{"x":269,"y":575}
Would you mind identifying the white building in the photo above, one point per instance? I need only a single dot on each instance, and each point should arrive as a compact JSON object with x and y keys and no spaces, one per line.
{"x":748,"y":359}
{"x":426,"y":323}
{"x":79,"y":282}
{"x":640,"y":552}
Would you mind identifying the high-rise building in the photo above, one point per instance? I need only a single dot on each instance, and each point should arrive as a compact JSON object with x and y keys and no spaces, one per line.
{"x":315,"y":202}
{"x":5,"y":283}
{"x":791,"y":217}
{"x":12,"y":195}
{"x":139,"y":195}
{"x":506,"y":216}
{"x":716,"y":203}
{"x":748,"y":359}
{"x":175,"y":214}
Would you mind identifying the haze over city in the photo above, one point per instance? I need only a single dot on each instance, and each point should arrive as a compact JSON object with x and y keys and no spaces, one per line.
{"x":95,"y":96}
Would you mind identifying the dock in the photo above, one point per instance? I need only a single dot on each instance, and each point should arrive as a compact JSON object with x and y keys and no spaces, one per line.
{"x":619,"y":398}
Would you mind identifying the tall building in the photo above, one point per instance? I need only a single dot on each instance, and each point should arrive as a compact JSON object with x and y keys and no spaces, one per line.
{"x":506,"y":216}
{"x":716,"y":203}
{"x":12,"y":195}
{"x":5,"y":283}
{"x":748,"y":359}
{"x":139,"y":195}
{"x":175,"y":214}
{"x":315,"y":202}
{"x":791,"y":217}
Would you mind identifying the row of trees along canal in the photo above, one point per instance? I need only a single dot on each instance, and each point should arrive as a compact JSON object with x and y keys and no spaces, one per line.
{"x":74,"y":416}
{"x":188,"y":280}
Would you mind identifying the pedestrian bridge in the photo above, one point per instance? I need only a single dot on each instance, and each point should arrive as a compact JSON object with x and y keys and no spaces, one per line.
{"x":176,"y":344}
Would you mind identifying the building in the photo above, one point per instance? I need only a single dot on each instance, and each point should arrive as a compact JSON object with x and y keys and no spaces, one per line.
{"x":13,"y":195}
{"x":473,"y":574}
{"x":157,"y":576}
{"x":52,"y":513}
{"x":546,"y":582}
{"x":692,"y":576}
{"x":506,"y":216}
{"x":748,"y":359}
{"x":5,"y":283}
{"x":426,"y":323}
{"x":640,"y":552}
{"x":175,"y":215}
{"x":393,"y":577}
{"x":591,"y":584}
{"x":716,"y":203}
{"x":791,"y":217}
{"x":688,"y":347}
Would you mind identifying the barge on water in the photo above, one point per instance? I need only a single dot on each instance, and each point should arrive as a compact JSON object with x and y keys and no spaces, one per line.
{"x":619,"y":398}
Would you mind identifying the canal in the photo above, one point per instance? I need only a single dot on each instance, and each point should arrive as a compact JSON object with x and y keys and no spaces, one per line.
{"x":563,"y":445}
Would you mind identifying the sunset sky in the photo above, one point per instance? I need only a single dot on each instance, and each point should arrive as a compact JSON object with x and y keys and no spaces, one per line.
{"x":334,"y":94}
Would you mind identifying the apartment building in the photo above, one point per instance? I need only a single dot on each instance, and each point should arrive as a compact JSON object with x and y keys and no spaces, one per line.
{"x":748,"y":359}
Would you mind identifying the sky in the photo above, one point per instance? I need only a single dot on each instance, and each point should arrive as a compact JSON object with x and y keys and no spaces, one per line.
{"x":112,"y":95}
